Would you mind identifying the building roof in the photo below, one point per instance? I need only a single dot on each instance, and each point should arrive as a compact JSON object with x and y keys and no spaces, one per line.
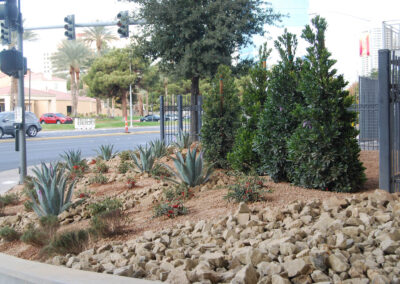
{"x":61,"y":96}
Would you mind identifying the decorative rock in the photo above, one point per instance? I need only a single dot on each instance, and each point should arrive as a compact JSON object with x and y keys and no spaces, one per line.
{"x":215,"y":259}
{"x":277,"y":279}
{"x":249,"y":255}
{"x":269,"y":268}
{"x":319,"y":259}
{"x":177,"y":276}
{"x":123,"y":271}
{"x":246,"y":275}
{"x":319,"y":276}
{"x":388,"y":246}
{"x":337,"y":263}
{"x":296,"y":267}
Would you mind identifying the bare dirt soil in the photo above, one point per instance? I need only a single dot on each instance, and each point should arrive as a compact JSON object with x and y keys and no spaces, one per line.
{"x":206,"y":204}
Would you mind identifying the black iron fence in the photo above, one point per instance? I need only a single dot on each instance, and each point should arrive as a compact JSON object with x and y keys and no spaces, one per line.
{"x":176,"y":114}
{"x":389,"y":120}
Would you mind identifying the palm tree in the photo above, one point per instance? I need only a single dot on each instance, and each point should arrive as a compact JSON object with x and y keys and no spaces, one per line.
{"x":99,"y":35}
{"x":72,"y":56}
{"x":27,"y":36}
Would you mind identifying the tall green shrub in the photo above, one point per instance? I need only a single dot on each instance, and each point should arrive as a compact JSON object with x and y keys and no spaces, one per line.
{"x":323,"y":148}
{"x":277,"y":122}
{"x":243,"y":157}
{"x":221,"y":119}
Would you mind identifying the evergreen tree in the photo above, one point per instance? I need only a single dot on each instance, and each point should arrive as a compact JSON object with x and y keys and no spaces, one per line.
{"x":277,"y":122}
{"x":323,"y":148}
{"x":243,"y":157}
{"x":193,"y":38}
{"x":221,"y":118}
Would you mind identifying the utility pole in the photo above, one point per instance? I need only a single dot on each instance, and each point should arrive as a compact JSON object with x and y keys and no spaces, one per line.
{"x":21,"y":100}
{"x":130,"y":87}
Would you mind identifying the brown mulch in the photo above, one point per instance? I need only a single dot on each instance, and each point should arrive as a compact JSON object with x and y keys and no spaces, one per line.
{"x":205,"y":205}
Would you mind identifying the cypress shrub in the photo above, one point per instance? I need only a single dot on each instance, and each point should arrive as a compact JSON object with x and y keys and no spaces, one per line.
{"x":221,"y":119}
{"x":323,"y":148}
{"x":277,"y":121}
{"x":243,"y":157}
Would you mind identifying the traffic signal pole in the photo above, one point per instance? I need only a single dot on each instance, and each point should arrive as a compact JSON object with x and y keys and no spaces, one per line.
{"x":21,"y":101}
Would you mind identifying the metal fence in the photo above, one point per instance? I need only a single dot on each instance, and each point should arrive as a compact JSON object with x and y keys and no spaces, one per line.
{"x":389,"y":120}
{"x":176,"y":113}
{"x":367,"y":114}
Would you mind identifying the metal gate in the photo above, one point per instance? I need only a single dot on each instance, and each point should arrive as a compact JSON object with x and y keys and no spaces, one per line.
{"x":176,"y":114}
{"x":389,"y":120}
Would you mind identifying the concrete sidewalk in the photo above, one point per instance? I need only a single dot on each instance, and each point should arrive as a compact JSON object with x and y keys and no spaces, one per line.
{"x":10,"y":178}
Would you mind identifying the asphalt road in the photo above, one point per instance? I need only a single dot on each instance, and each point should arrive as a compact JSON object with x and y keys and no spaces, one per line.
{"x":47,"y":146}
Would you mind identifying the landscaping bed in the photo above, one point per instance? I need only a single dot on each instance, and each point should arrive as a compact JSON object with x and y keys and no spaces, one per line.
{"x":214,"y":242}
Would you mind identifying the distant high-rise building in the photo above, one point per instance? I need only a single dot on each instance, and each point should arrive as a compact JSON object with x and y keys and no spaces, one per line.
{"x":47,"y":66}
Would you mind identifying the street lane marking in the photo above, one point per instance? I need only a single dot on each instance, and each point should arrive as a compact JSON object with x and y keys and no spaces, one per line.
{"x":85,"y":136}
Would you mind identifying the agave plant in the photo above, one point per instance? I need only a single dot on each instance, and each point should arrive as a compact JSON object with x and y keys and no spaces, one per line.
{"x":72,"y":158}
{"x":147,"y":158}
{"x":158,"y":148}
{"x":51,"y":194}
{"x":190,"y":170}
{"x":106,"y":152}
{"x":182,"y":140}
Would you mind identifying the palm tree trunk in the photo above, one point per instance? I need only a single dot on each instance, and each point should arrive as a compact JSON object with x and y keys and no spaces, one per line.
{"x":112,"y":107}
{"x":124,"y":105}
{"x":74,"y":100}
{"x":140,"y":98}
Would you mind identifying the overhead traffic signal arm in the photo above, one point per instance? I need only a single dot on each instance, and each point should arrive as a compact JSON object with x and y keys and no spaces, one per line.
{"x":69,"y":27}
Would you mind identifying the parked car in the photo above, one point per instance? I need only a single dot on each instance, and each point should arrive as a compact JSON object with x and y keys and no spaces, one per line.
{"x":7,"y":120}
{"x":57,"y":118}
{"x":150,"y":117}
{"x":168,"y":117}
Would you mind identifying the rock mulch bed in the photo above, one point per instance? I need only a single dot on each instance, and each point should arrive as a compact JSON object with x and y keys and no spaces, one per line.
{"x":351,"y":240}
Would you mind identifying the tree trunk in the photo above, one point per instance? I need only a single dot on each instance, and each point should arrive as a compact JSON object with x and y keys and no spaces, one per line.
{"x":147,"y":103}
{"x":13,"y":93}
{"x":112,"y":107}
{"x":74,"y":99}
{"x":124,"y":105}
{"x":108,"y":108}
{"x":194,"y":95}
{"x":140,"y":103}
{"x":98,"y":106}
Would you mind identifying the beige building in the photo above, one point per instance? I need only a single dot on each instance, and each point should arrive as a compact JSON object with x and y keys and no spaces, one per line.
{"x":47,"y":94}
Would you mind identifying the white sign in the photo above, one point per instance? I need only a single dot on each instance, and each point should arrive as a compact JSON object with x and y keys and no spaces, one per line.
{"x":18,"y":114}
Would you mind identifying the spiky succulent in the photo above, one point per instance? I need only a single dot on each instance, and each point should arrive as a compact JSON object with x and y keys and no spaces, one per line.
{"x":72,"y":158}
{"x":190,"y":170}
{"x":182,"y":140}
{"x":146,"y":159}
{"x":106,"y":152}
{"x":158,"y":147}
{"x":52,"y":193}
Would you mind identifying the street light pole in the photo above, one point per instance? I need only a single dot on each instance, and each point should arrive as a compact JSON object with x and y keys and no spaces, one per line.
{"x":21,"y":101}
{"x":130,"y":88}
{"x":30,"y":72}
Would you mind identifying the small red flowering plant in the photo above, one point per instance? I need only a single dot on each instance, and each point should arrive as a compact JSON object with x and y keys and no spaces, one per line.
{"x":170,"y":209}
{"x":248,"y":189}
{"x":130,"y":182}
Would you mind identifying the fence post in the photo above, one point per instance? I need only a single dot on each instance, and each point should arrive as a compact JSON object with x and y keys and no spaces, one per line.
{"x":384,"y":120}
{"x":199,"y":113}
{"x":180,"y":114}
{"x":162,"y":120}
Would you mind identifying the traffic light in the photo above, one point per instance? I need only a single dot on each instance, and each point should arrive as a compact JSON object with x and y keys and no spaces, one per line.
{"x":9,"y":13}
{"x":5,"y":34}
{"x":69,"y":27}
{"x":123,"y":24}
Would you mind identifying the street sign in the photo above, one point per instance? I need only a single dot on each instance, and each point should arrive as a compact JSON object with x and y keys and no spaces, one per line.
{"x":18,"y":114}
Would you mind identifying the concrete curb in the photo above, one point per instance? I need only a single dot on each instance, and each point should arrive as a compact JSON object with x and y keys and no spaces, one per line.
{"x":15,"y":270}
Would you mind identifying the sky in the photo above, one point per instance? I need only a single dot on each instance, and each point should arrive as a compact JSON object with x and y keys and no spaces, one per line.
{"x":347,"y":20}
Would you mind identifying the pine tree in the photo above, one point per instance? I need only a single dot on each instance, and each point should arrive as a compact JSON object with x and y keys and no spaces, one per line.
{"x":323,"y":148}
{"x":221,"y":118}
{"x":243,"y":157}
{"x":277,"y":122}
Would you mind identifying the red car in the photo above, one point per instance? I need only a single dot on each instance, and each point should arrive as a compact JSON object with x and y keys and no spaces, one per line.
{"x":58,"y":118}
